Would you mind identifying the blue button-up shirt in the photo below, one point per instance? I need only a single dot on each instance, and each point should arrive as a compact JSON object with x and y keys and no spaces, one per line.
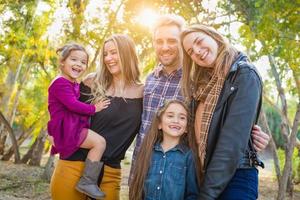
{"x":171,"y":175}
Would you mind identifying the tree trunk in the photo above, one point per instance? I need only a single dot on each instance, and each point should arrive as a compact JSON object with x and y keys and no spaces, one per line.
{"x":3,"y":136}
{"x":9,"y":83}
{"x":288,"y":157}
{"x":10,"y":152}
{"x":290,"y":186}
{"x":49,"y":168}
{"x":279,"y":86}
{"x":265,"y":124}
{"x":12,"y":136}
{"x":18,"y":93}
{"x":38,"y":151}
{"x":28,"y":155}
{"x":297,"y":180}
{"x":284,"y":178}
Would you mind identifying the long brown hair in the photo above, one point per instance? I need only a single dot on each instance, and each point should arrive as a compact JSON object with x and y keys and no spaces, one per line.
{"x":128,"y":62}
{"x":153,"y":136}
{"x":195,"y":76}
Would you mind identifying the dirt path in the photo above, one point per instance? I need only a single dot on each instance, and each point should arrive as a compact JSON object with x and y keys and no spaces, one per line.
{"x":267,"y":180}
{"x":23,"y":182}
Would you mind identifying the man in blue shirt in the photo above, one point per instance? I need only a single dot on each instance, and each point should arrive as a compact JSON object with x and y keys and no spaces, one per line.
{"x":164,"y":82}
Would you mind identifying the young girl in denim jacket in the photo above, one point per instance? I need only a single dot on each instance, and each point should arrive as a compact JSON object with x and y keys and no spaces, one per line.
{"x":69,"y":118}
{"x":165,"y":167}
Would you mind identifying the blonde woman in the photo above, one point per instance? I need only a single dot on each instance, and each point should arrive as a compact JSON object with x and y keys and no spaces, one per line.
{"x":118,"y":80}
{"x":226,"y":91}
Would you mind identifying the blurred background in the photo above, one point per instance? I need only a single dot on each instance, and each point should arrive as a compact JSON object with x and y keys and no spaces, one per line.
{"x":31,"y":31}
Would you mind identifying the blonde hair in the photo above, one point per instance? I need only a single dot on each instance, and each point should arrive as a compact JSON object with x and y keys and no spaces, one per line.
{"x":128,"y":62}
{"x":195,"y":76}
{"x":155,"y":135}
{"x":169,"y":20}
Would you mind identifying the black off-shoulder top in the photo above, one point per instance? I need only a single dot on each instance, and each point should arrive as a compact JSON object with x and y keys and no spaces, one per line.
{"x":118,"y":124}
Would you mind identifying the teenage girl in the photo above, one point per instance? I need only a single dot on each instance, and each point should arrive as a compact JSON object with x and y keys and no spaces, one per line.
{"x":165,"y":167}
{"x":69,"y":118}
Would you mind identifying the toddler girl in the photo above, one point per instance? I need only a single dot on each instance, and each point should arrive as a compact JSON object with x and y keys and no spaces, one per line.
{"x":69,"y":118}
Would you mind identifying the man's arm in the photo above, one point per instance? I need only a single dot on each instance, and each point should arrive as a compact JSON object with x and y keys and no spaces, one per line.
{"x":260,"y":138}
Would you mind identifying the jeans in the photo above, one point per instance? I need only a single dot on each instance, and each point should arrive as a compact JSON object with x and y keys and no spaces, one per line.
{"x":242,"y":186}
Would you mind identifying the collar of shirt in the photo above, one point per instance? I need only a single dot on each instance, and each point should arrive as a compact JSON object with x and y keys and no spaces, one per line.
{"x":159,"y":71}
{"x":179,"y":147}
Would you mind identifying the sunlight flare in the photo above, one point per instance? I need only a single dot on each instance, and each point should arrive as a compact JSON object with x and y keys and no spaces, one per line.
{"x":147,"y":17}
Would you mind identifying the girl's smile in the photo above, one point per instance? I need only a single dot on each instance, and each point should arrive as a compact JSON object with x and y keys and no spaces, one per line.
{"x":174,"y":121}
{"x":74,"y":65}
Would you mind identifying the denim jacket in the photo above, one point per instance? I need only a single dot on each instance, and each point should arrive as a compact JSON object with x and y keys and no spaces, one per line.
{"x":171,"y":175}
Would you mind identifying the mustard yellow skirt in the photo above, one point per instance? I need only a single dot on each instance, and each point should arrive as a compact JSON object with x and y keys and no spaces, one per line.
{"x":67,"y":173}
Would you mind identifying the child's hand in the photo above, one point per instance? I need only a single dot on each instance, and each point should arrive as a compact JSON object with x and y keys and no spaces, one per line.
{"x":51,"y":140}
{"x":102,"y":104}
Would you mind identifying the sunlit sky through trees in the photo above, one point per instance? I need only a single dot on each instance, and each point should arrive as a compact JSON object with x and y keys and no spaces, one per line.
{"x":145,"y":17}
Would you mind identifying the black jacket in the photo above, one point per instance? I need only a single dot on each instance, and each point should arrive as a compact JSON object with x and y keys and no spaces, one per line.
{"x":228,"y":138}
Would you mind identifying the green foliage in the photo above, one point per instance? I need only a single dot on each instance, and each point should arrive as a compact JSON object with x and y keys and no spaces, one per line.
{"x":295,"y":161}
{"x":275,"y":25}
{"x":274,"y":120}
{"x":27,"y":46}
{"x":25,"y":50}
{"x":247,"y":35}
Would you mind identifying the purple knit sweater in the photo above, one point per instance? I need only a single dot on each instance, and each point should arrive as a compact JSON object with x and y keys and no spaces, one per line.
{"x":68,"y":116}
